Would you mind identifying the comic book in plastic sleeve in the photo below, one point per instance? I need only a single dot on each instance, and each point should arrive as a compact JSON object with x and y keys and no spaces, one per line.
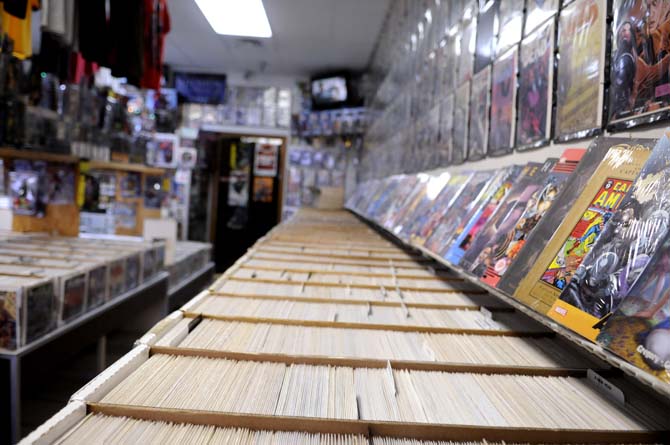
{"x":582,"y":225}
{"x":459,"y":144}
{"x":621,"y":251}
{"x":480,"y":104}
{"x":416,"y":216}
{"x":503,"y":103}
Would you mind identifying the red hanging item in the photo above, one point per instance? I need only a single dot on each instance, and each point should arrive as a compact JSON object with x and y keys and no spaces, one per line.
{"x":157,"y":25}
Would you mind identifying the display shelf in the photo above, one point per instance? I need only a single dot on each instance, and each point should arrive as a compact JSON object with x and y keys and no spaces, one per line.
{"x":592,"y":348}
{"x":183,"y":291}
{"x":245,"y":130}
{"x":28,"y":364}
{"x":138,"y":168}
{"x":32,"y":155}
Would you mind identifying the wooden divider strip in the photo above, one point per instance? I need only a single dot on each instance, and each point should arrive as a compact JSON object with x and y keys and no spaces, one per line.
{"x":410,"y":430}
{"x":371,"y":326}
{"x":374,"y":363}
{"x":474,"y":290}
{"x":327,"y":263}
{"x":412,"y":260}
{"x":337,"y":245}
{"x":438,"y":277}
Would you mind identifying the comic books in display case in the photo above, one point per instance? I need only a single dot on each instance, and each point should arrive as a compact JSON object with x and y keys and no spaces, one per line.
{"x":442,"y":204}
{"x":639,"y":81}
{"x":480,"y":103}
{"x":459,"y":145}
{"x":639,"y":330}
{"x":503,"y":103}
{"x":536,"y":78}
{"x":580,"y":80}
{"x":531,"y":206}
{"x":511,"y":18}
{"x":478,"y":255}
{"x":582,"y":225}
{"x":493,"y":198}
{"x":72,"y":291}
{"x":621,"y":251}
{"x":539,"y":12}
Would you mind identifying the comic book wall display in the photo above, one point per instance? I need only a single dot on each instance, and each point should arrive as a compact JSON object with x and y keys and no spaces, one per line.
{"x":538,"y":12}
{"x":446,"y":129}
{"x":622,"y":251}
{"x":503,"y":103}
{"x":479,"y":253}
{"x":480,"y":103}
{"x":511,"y":234}
{"x":535,"y":88}
{"x":511,"y":18}
{"x":449,"y":221}
{"x":459,"y":144}
{"x":417,"y":216}
{"x":495,"y":197}
{"x":466,"y":47}
{"x":639,"y":80}
{"x":487,"y":30}
{"x":582,"y":225}
{"x":537,"y":240}
{"x":580,"y":81}
{"x":639,"y":330}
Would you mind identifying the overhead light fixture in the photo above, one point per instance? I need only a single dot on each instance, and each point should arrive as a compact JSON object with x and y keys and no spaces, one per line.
{"x":246,"y":18}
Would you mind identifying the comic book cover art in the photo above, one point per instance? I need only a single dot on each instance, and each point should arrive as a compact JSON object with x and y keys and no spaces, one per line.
{"x":97,"y":286}
{"x":400,"y":202}
{"x":487,"y":29}
{"x":581,"y":225}
{"x":640,"y":63}
{"x":639,"y":331}
{"x":503,"y":103}
{"x":401,"y":217}
{"x":459,"y":145}
{"x":538,"y":239}
{"x":537,"y":12}
{"x":511,"y":24}
{"x":581,"y":69}
{"x":440,"y":207}
{"x":466,"y":55}
{"x":535,"y":87}
{"x":527,"y":181}
{"x":10,"y":319}
{"x":519,"y":223}
{"x":447,"y":224}
{"x":41,"y":306}
{"x":495,"y":196}
{"x":74,"y":296}
{"x":446,"y":129}
{"x":418,"y":216}
{"x":117,"y":278}
{"x":622,"y":251}
{"x":133,"y":272}
{"x":479,"y":114}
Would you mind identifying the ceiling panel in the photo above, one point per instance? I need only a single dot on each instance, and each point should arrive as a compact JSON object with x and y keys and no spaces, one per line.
{"x":309,"y":36}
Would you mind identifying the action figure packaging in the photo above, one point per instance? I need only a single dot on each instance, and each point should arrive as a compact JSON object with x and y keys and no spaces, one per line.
{"x":534,"y":202}
{"x":639,"y":90}
{"x":582,"y":224}
{"x":639,"y":330}
{"x":475,"y":220}
{"x":580,"y":79}
{"x":478,"y":251}
{"x":480,"y":103}
{"x":622,"y":250}
{"x":503,"y":104}
{"x":467,"y":200}
{"x":459,"y":152}
{"x":536,"y":80}
{"x":427,"y":223}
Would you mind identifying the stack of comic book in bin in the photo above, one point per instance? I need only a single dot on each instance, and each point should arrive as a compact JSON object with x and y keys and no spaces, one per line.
{"x":189,"y":257}
{"x":46,"y":281}
{"x":582,"y":238}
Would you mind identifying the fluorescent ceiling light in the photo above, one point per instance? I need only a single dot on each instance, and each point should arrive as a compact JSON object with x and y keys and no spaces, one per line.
{"x":244,"y":18}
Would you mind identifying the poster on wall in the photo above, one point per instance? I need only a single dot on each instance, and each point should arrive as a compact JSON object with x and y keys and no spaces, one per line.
{"x":503,"y":103}
{"x":263,"y":187}
{"x":266,"y":160}
{"x":639,"y":79}
{"x":459,"y":146}
{"x":580,"y":80}
{"x":535,"y":88}
{"x":480,"y":99}
{"x":238,"y":188}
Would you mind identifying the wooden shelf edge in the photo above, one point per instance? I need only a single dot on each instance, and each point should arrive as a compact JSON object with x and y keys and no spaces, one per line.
{"x":138,"y":168}
{"x":34,"y":155}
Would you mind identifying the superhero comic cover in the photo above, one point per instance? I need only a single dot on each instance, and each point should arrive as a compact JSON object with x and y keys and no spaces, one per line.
{"x":503,"y":103}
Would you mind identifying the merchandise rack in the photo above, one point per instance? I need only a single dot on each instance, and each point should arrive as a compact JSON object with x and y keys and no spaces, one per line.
{"x":593,"y":348}
{"x":29,"y":363}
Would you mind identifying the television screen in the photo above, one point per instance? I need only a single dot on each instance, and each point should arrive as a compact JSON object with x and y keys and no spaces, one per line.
{"x":329,"y":91}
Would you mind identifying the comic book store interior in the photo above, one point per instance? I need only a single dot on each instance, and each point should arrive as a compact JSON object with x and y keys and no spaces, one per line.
{"x":324,"y":222}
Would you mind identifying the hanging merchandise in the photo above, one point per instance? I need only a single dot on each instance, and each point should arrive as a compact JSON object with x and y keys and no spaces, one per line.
{"x":127,"y":43}
{"x":535,"y":88}
{"x":161,"y":150}
{"x":480,"y":104}
{"x":639,"y":81}
{"x":93,"y":31}
{"x":156,"y":27}
{"x":580,"y":81}
{"x":503,"y":104}
{"x":16,"y":23}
